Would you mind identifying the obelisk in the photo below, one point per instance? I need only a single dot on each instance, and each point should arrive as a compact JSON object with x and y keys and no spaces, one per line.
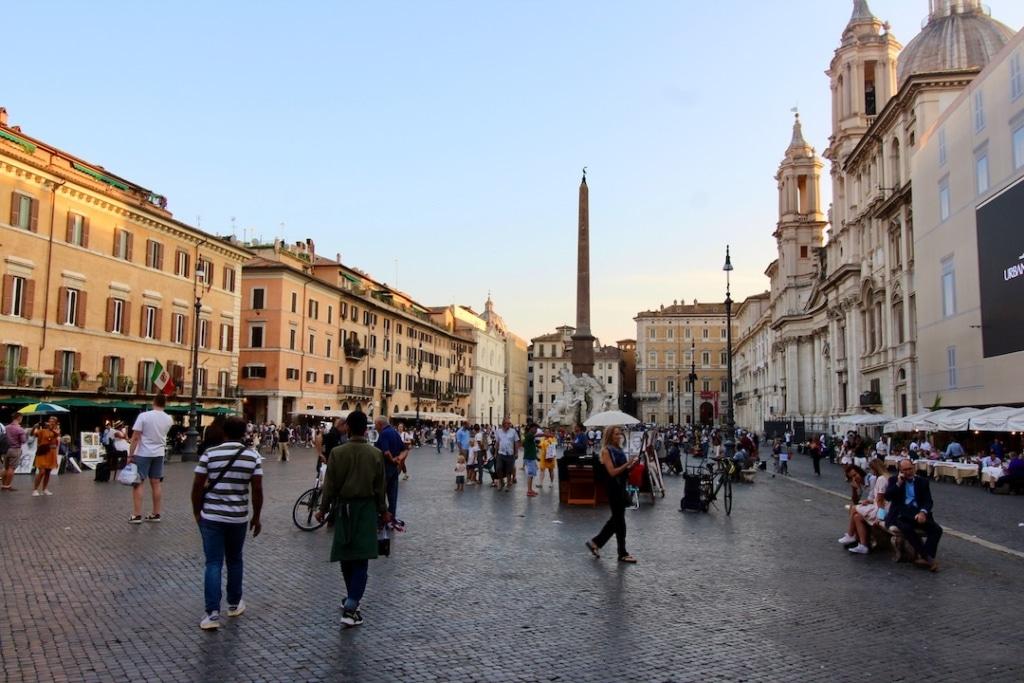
{"x":582,"y":339}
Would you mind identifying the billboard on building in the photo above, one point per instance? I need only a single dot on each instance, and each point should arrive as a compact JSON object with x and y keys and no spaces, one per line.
{"x":1001,"y":271}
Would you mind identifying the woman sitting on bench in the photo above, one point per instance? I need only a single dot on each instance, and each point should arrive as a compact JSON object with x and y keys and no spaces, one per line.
{"x":868,"y":495}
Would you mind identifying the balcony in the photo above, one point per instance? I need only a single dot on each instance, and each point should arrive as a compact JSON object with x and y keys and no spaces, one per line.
{"x":425,"y":393}
{"x":354,"y":352}
{"x":388,"y":390}
{"x":870,"y":399}
{"x":647,"y":396}
{"x":463,"y":391}
{"x":355,"y":392}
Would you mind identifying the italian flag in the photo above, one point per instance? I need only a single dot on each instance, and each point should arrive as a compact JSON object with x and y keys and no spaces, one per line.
{"x":162,"y":379}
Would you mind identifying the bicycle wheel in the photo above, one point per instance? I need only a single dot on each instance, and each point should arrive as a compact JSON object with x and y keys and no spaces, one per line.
{"x":304,"y":512}
{"x":727,"y":495}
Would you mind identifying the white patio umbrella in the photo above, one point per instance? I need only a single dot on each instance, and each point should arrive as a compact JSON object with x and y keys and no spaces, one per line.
{"x":611,"y":418}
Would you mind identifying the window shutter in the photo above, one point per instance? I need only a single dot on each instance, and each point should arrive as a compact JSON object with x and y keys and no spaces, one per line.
{"x":85,"y":232}
{"x":15,"y":209}
{"x":69,"y":231}
{"x":23,"y":354}
{"x":141,"y":380}
{"x":159,"y":256}
{"x":158,"y":326}
{"x":8,"y":302}
{"x":231,"y":338}
{"x":126,"y":318}
{"x":185,"y":330}
{"x":33,"y":222}
{"x":29,"y":305}
{"x":142,"y":321}
{"x":109,"y":325}
{"x":129,"y":249}
{"x":209,"y":331}
{"x":82,"y":308}
{"x":117,"y":238}
{"x":78,"y":362}
{"x":62,"y":305}
{"x":57,"y":366}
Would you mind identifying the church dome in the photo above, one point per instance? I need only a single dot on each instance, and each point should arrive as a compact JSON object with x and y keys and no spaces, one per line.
{"x":958,"y":36}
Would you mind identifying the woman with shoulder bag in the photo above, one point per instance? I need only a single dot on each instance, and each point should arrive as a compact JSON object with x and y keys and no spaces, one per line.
{"x":616,"y":466}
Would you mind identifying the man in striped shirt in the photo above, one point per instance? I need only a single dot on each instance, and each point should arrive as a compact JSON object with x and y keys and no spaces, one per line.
{"x":220,"y":502}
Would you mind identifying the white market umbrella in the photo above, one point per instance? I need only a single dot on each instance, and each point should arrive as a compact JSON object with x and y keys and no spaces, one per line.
{"x":611,"y":418}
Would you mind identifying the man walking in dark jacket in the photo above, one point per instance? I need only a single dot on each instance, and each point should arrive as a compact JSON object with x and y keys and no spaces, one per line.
{"x":910,"y":511}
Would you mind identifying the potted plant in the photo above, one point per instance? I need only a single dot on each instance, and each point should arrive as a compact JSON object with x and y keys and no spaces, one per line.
{"x":22,"y":375}
{"x":76,"y":380}
{"x":124,"y":384}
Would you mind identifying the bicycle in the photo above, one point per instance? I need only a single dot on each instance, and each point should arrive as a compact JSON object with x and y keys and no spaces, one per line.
{"x":722,"y":472}
{"x":305,"y":508}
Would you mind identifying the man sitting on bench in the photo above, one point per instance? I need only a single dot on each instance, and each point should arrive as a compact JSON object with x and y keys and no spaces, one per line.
{"x":910,"y":511}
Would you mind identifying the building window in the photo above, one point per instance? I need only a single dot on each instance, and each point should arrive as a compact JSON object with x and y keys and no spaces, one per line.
{"x":328,"y":378}
{"x":951,"y":378}
{"x":671,"y":333}
{"x":705,"y":333}
{"x":981,"y":172}
{"x":652,"y":359}
{"x":295,"y":302}
{"x":330,"y":316}
{"x":71,"y":312}
{"x":178,"y":328}
{"x":292,"y":373}
{"x":181,"y":263}
{"x":258,"y":298}
{"x":204,"y":333}
{"x":803,"y":251}
{"x":117,"y":317}
{"x":979,"y":111}
{"x":705,"y":359}
{"x":312,"y":344}
{"x":154,"y":254}
{"x":328,"y":354}
{"x":706,"y":385}
{"x":256,"y":336}
{"x":1018,"y":148}
{"x":24,"y":212}
{"x":123,"y":245}
{"x":17,"y":288}
{"x":944,"y":199}
{"x":311,"y":376}
{"x":254,"y":372}
{"x":942,"y":147}
{"x":77,"y":230}
{"x":229,"y":279}
{"x":227,"y":337}
{"x":149,"y":322}
{"x":725,"y":386}
{"x":1016,"y":78}
{"x":314,"y":309}
{"x":652,"y":333}
{"x":723,"y":359}
{"x":670,"y":386}
{"x":652,"y":386}
{"x":291,"y":339}
{"x":948,"y":288}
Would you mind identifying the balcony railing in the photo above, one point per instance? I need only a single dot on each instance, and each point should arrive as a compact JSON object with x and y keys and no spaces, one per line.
{"x":463,"y":391}
{"x":870,"y":398}
{"x":354,"y":352}
{"x":352,"y":390}
{"x":647,"y":396}
{"x":423,"y":392}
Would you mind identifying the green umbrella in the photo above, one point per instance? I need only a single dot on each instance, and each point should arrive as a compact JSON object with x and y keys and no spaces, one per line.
{"x":78,"y":403}
{"x":123,"y":405}
{"x":18,"y":400}
{"x":219,"y":410}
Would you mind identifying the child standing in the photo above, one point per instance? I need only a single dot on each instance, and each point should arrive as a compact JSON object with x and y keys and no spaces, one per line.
{"x":460,"y":473}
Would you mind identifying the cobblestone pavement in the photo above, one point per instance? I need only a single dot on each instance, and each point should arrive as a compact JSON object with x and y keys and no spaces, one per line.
{"x":493,"y":586}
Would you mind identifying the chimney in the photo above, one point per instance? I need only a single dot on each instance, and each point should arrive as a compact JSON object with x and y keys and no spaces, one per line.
{"x":337,"y":257}
{"x":310,"y":249}
{"x":3,"y":116}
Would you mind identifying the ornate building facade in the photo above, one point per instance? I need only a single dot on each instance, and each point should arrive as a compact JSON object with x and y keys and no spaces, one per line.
{"x":844,"y":313}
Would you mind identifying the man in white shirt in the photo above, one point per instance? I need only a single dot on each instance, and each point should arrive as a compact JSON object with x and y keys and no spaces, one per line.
{"x":508,"y":440}
{"x":147,"y":451}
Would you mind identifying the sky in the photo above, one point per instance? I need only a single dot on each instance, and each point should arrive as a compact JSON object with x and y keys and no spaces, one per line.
{"x":438,"y":146}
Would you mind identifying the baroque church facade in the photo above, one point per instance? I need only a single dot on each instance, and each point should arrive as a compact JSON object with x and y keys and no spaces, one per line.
{"x":835,"y":336}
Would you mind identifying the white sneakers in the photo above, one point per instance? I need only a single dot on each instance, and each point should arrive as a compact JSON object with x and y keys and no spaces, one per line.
{"x":210,"y":622}
{"x":236,"y":610}
{"x":847,"y":539}
{"x":860,"y":549}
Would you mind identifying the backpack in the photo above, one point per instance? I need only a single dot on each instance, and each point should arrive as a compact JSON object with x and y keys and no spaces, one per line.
{"x":5,"y":444}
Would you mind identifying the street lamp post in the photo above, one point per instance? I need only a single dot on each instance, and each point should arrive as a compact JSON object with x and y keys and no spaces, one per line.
{"x":419,"y":382}
{"x":730,"y":426}
{"x":693,"y":383}
{"x":190,"y":450}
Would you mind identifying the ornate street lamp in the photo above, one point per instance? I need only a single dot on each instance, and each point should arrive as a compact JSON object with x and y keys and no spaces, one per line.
{"x":730,"y":427}
{"x":190,"y":451}
{"x":693,"y":384}
{"x":419,"y":382}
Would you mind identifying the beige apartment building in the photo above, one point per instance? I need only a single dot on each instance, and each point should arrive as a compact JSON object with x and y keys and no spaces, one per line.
{"x":320,"y":337}
{"x":969,"y":251}
{"x":551,"y":354}
{"x":671,"y":342}
{"x":100,"y":282}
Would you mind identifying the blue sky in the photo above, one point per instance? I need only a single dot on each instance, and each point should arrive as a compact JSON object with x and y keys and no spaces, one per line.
{"x":450,"y":135}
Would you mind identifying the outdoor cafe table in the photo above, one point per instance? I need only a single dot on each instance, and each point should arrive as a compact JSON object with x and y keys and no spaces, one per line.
{"x":957,"y":470}
{"x":923,"y":465}
{"x":990,"y":475}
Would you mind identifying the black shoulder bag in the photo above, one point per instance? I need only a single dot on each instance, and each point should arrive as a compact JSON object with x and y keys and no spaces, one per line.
{"x":211,"y":484}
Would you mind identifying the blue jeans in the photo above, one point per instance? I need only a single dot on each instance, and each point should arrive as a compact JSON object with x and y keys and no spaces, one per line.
{"x":222,"y":541}
{"x":391,"y":481}
{"x":355,"y":573}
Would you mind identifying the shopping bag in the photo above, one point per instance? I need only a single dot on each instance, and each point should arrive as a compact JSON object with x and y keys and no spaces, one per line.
{"x":383,"y":541}
{"x":129,"y":476}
